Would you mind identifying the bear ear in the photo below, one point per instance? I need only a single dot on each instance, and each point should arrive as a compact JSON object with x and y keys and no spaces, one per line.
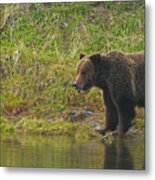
{"x":82,"y":55}
{"x":95,"y":58}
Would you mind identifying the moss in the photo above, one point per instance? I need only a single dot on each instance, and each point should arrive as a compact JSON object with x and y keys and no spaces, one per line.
{"x":6,"y":127}
{"x":139,"y":123}
{"x":43,"y":127}
{"x":40,"y":126}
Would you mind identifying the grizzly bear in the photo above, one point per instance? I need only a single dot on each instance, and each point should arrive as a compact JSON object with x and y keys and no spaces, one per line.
{"x":121,"y":77}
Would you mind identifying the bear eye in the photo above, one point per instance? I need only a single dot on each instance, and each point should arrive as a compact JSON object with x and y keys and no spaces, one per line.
{"x":83,"y":73}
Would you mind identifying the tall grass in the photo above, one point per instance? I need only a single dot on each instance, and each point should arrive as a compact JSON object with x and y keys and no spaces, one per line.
{"x":40,"y":45}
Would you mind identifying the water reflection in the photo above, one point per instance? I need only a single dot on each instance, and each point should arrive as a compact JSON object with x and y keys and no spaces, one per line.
{"x":117,"y":156}
{"x":66,"y":152}
{"x":125,"y":153}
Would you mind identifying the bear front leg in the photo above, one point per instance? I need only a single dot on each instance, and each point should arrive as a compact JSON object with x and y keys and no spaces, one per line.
{"x":110,"y":113}
{"x":126,"y":112}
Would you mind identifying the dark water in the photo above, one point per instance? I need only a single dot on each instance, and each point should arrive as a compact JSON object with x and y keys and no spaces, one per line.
{"x":66,"y":152}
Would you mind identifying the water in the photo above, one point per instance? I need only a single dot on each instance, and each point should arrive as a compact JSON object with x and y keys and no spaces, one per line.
{"x":66,"y":152}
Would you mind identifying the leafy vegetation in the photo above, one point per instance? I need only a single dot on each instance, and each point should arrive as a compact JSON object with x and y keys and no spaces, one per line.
{"x":40,"y":46}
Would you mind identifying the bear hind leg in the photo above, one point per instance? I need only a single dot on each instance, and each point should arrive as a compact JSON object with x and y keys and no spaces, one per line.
{"x":126,"y":112}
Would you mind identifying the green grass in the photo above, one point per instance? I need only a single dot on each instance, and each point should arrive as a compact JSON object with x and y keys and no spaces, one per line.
{"x":40,"y":46}
{"x":44,"y":127}
{"x":6,"y":127}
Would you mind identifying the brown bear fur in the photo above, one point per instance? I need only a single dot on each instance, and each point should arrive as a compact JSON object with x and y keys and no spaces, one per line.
{"x":121,"y":77}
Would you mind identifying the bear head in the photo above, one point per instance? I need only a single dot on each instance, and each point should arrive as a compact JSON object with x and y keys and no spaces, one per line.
{"x":85,"y":69}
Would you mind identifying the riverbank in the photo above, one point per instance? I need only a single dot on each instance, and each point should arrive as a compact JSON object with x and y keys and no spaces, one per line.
{"x":81,"y":125}
{"x":40,"y":47}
